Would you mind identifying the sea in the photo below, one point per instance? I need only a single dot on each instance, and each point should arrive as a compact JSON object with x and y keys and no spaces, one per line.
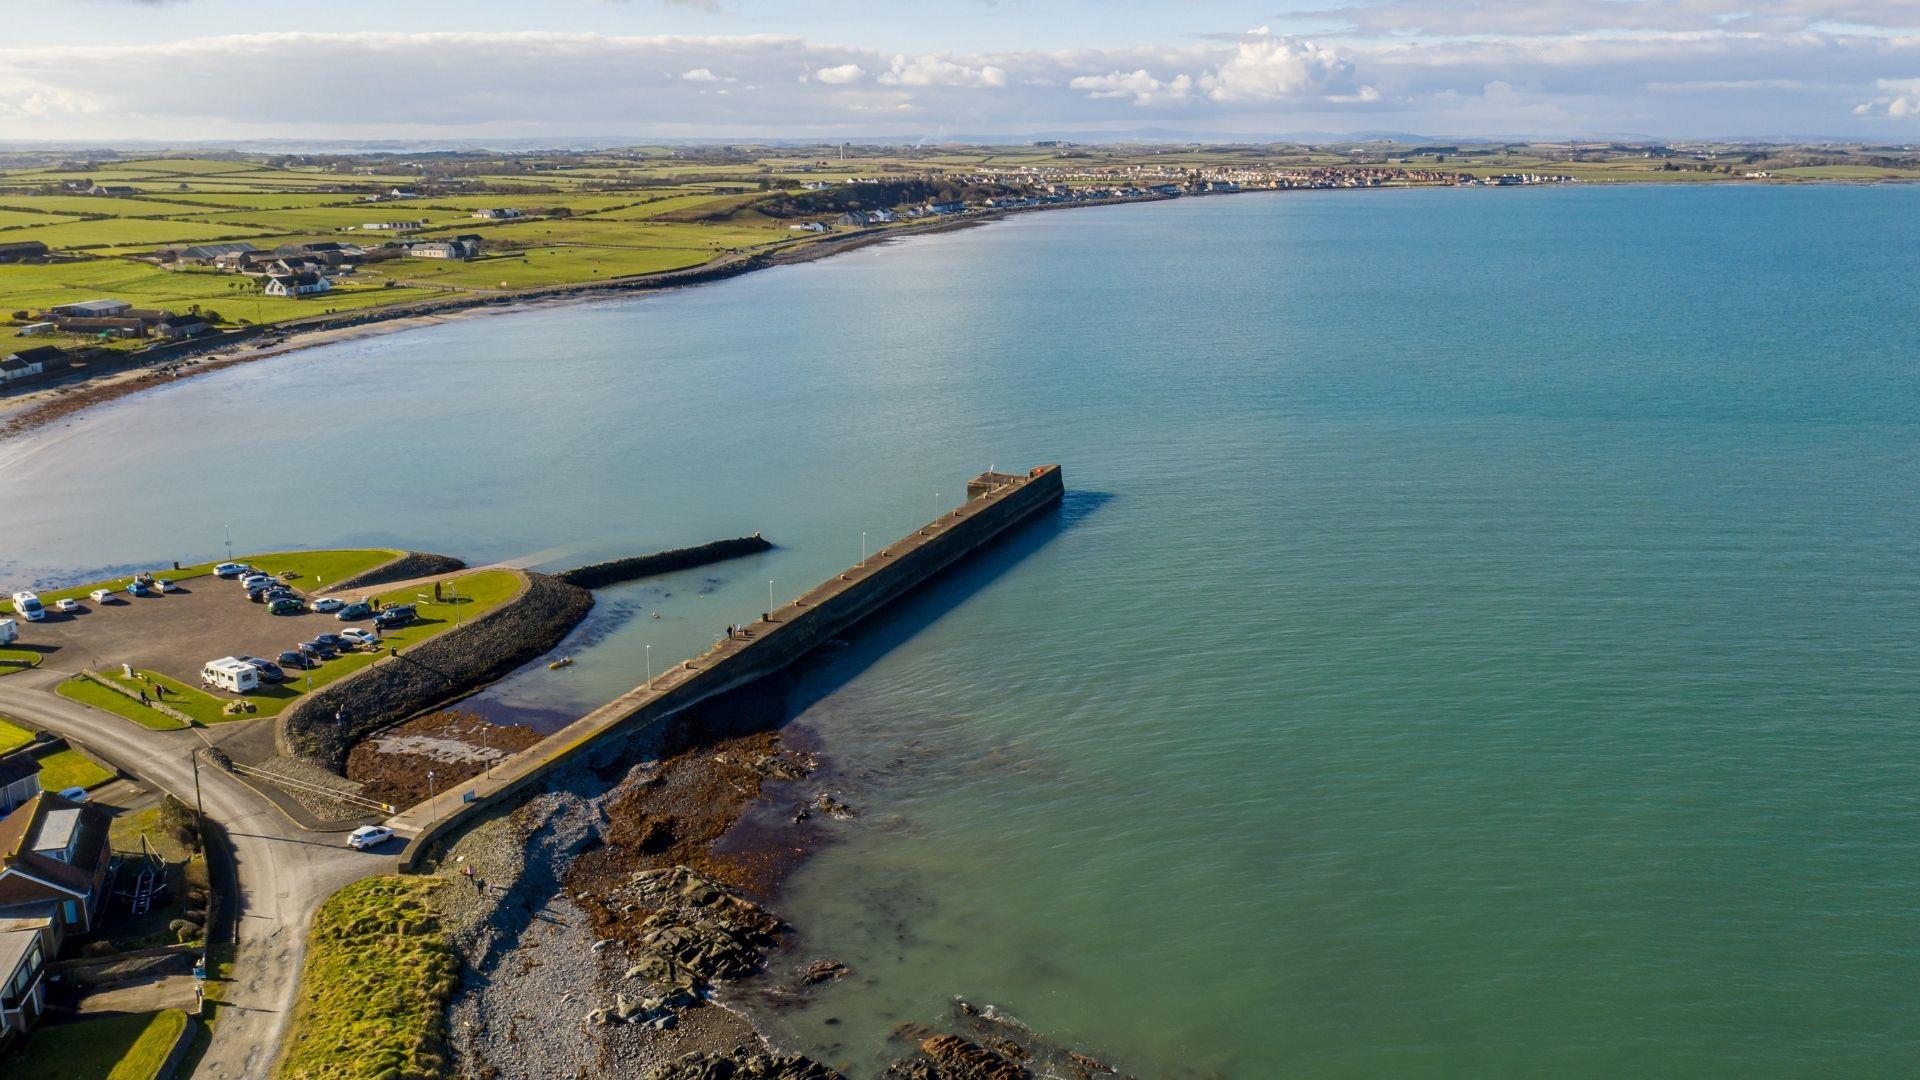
{"x":1479,"y":639}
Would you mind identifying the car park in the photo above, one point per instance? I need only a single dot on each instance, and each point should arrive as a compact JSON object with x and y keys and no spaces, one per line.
{"x":398,"y":615}
{"x":358,"y":610}
{"x":285,"y":605}
{"x":327,"y":604}
{"x":69,"y":605}
{"x":268,"y":670}
{"x":363,"y":638}
{"x":100,"y":596}
{"x":367,"y":836}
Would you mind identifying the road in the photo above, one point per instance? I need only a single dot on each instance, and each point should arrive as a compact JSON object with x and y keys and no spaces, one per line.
{"x":284,"y":872}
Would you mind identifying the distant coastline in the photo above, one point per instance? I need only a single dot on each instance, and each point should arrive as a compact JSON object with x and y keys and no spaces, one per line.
{"x":42,"y":406}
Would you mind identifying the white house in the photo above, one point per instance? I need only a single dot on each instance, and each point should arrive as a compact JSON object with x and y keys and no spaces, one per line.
{"x":290,"y":285}
{"x":499,"y":214}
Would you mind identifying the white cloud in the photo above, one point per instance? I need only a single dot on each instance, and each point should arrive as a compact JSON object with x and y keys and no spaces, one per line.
{"x":1138,"y":86}
{"x":841,"y":74}
{"x":394,"y":84}
{"x":939,"y":71}
{"x":1904,"y":102}
{"x":1267,"y":68}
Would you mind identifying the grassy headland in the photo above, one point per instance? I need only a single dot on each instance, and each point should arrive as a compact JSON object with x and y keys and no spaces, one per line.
{"x":374,"y":991}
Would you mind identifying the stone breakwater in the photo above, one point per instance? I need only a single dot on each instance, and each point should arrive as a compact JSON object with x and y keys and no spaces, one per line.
{"x":600,"y":575}
{"x":406,"y":567}
{"x":433,"y":672}
{"x":998,"y":502}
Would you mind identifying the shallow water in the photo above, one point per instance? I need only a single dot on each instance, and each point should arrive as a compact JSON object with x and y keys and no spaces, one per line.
{"x":1480,"y":639}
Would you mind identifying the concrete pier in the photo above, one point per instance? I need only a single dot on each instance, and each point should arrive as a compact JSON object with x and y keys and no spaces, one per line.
{"x":995,"y":503}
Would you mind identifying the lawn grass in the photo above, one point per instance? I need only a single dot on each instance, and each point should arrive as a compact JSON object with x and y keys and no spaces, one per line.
{"x":374,"y":990}
{"x":70,"y":768}
{"x":12,"y":660}
{"x":129,"y":1047}
{"x":13,"y":737}
{"x":88,"y":692}
{"x":307,"y":567}
{"x":202,"y":706}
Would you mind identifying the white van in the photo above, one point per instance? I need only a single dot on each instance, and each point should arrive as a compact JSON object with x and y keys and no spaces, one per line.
{"x":27,"y":606}
{"x":232,"y":674}
{"x":9,"y":631}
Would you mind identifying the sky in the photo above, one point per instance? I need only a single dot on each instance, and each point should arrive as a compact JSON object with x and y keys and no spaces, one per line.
{"x":224,"y":70}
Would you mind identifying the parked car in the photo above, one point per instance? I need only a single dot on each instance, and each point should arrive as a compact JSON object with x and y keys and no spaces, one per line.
{"x":367,"y":836}
{"x":276,"y":592}
{"x":319,"y":649}
{"x":231,"y":570}
{"x":100,"y":596}
{"x":69,"y":605}
{"x":269,"y":671}
{"x":294,"y":658}
{"x":327,"y":603}
{"x":255,"y":581}
{"x":136,"y":587}
{"x":334,"y":641}
{"x":357,"y":610}
{"x":363,"y":638}
{"x":398,"y":615}
{"x":74,"y":794}
{"x":285,"y":605}
{"x":258,"y":596}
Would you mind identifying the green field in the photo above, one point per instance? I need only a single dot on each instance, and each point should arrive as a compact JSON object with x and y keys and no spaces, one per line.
{"x":377,"y":979}
{"x":128,"y":1047}
{"x":70,"y":768}
{"x":645,"y":210}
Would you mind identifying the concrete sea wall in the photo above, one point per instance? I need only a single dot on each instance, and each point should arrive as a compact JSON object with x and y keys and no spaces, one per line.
{"x":786,"y":634}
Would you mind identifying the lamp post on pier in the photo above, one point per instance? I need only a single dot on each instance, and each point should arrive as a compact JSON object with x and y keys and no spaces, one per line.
{"x":649,"y":667}
{"x":863,"y":549}
{"x":769,"y":599}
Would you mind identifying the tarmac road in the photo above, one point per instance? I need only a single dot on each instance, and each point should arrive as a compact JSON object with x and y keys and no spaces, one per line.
{"x":283,"y":871}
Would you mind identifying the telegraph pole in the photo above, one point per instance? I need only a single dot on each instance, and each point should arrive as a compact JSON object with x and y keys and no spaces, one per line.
{"x":199,"y":808}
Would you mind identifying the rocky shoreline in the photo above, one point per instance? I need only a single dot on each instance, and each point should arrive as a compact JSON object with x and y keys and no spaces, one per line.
{"x":616,"y":922}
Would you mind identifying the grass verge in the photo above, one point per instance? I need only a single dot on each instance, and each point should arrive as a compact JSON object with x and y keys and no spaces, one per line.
{"x":12,"y":660}
{"x":374,"y":991}
{"x":70,"y":768}
{"x":13,"y":737}
{"x":88,"y":692}
{"x":130,"y":1047}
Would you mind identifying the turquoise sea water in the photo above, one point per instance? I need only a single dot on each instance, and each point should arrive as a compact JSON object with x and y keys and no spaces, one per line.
{"x":1480,"y":639}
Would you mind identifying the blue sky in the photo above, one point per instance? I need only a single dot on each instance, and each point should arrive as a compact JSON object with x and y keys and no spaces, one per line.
{"x":222,"y":69}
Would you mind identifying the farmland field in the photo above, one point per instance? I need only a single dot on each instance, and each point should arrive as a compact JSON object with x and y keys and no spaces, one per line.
{"x":596,"y":215}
